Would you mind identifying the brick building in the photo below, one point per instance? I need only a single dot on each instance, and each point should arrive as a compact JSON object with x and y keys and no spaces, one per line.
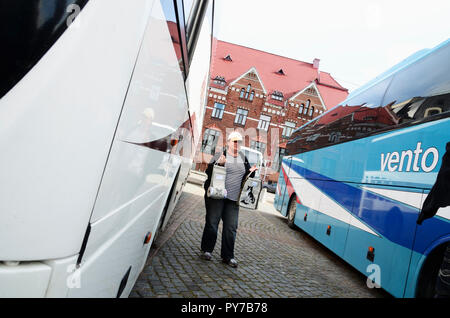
{"x":264,"y":96}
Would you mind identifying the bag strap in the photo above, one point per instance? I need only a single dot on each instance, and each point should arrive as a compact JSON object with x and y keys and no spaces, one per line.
{"x":224,"y":152}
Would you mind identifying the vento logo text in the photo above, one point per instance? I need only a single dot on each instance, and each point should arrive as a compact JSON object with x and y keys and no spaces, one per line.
{"x":410,"y":159}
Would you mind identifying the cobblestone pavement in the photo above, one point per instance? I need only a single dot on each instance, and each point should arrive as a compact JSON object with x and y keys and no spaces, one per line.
{"x":274,"y":260}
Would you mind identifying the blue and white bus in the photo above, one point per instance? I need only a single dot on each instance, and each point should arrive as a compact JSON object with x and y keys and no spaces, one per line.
{"x":355,"y":178}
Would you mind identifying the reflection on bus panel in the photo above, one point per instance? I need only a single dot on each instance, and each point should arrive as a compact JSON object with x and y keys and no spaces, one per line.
{"x":355,"y":178}
{"x":101,"y":106}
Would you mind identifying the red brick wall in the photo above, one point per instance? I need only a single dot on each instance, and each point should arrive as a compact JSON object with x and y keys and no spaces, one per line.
{"x":256,"y":108}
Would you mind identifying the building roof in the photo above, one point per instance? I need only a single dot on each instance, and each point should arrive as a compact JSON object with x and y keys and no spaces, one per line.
{"x":297,"y":74}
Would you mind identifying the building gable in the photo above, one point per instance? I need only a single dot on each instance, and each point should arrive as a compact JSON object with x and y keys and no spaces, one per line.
{"x":250,"y":76}
{"x":309,"y":91}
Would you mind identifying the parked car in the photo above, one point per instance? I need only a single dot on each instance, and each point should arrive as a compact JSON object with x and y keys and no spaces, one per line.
{"x":270,"y":186}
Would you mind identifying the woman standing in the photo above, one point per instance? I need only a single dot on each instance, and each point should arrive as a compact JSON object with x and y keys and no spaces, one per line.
{"x":237,"y":169}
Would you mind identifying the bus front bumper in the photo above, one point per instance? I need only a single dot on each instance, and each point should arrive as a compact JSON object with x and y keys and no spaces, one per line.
{"x":35,"y":279}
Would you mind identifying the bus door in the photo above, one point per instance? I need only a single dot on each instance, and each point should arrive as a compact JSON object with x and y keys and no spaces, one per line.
{"x":282,"y":192}
{"x":381,"y":235}
{"x":431,"y":235}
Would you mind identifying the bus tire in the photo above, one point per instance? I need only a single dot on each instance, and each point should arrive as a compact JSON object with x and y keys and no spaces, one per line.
{"x":429,"y":273}
{"x":292,"y":209}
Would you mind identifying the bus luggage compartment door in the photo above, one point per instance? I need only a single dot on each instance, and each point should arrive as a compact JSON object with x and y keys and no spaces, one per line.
{"x":381,"y":235}
{"x":332,"y":222}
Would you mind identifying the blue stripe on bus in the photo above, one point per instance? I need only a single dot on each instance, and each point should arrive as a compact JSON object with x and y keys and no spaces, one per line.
{"x":395,"y":215}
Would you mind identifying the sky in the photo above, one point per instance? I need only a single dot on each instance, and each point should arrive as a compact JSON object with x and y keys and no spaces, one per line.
{"x":354,"y":40}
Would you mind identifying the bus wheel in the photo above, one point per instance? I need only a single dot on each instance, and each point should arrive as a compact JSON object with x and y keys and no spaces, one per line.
{"x":429,"y":273}
{"x":291,"y":212}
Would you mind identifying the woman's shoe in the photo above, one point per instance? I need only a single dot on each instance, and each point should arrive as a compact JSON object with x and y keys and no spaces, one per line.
{"x":232,"y":262}
{"x":206,"y":256}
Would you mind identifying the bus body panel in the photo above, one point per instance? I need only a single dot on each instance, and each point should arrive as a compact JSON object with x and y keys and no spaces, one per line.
{"x":140,"y":172}
{"x":141,"y":166}
{"x":282,"y":194}
{"x":57,"y":128}
{"x":371,"y":186}
{"x":14,"y":278}
{"x":306,"y":218}
{"x":385,"y":201}
{"x":101,"y":272}
{"x":125,"y":134}
{"x":330,"y":231}
{"x":63,"y":276}
{"x":281,"y":184}
{"x":418,"y":260}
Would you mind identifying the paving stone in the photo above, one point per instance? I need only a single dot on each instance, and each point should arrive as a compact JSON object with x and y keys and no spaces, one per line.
{"x":274,"y":260}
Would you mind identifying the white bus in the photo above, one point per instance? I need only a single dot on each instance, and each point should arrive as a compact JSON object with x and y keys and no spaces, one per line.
{"x":101,"y":106}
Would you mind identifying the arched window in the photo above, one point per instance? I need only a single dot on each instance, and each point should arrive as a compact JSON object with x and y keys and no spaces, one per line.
{"x":311,"y":111}
{"x":210,"y":139}
{"x":308,"y":102}
{"x":242,"y":93}
{"x":248,"y":91}
{"x":300,"y":110}
{"x":252,"y":94}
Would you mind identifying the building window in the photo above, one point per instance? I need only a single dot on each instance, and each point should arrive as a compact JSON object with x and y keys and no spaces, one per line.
{"x":218,"y":110}
{"x":247,"y":94}
{"x":264,"y":122}
{"x":241,"y":116}
{"x":242,"y":93}
{"x":219,"y":80}
{"x":308,"y":102}
{"x":277,"y":95}
{"x":311,"y":111}
{"x":209,"y":141}
{"x":259,"y":146}
{"x":248,"y":91}
{"x":334,"y":136}
{"x":288,"y":129}
{"x":300,"y":110}
{"x":252,"y":94}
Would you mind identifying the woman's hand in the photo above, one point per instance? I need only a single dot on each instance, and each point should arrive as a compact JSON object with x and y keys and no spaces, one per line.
{"x":254,"y":168}
{"x":222,"y":160}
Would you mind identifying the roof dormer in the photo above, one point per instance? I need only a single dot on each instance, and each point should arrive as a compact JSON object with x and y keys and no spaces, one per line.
{"x":219,"y":80}
{"x":277,"y":95}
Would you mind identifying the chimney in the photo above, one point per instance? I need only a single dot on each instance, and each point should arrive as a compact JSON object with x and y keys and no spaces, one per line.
{"x":316,"y":63}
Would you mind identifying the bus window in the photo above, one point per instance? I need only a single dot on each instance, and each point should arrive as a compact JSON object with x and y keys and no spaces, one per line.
{"x":432,"y":111}
{"x":355,"y":118}
{"x":188,"y":9}
{"x":175,"y":23}
{"x":184,"y":20}
{"x":27,"y":31}
{"x":422,"y":90}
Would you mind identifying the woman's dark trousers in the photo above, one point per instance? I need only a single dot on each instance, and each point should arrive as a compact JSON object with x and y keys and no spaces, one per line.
{"x":228,"y":211}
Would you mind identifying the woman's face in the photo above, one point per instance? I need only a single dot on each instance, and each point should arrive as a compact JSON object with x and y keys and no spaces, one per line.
{"x":234,"y":146}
